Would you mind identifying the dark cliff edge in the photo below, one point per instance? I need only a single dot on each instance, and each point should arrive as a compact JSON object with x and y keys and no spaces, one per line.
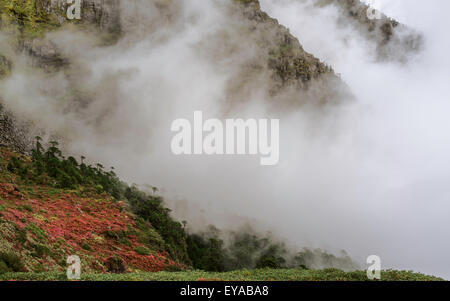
{"x":391,"y":41}
{"x":287,"y":74}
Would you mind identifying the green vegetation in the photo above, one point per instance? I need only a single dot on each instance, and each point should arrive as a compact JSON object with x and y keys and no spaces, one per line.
{"x":26,"y":18}
{"x":246,"y":1}
{"x":154,"y":228}
{"x":142,"y":251}
{"x":116,"y":265}
{"x":289,"y":63}
{"x":206,"y":252}
{"x":10,"y":262}
{"x":5,"y":66}
{"x":151,"y":208}
{"x":241,"y":275}
{"x":49,"y":167}
{"x":246,"y":249}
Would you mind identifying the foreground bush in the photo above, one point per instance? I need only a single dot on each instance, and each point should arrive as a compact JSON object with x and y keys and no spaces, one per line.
{"x":10,"y":262}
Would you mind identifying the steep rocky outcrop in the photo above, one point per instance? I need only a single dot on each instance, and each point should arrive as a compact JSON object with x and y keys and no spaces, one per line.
{"x":24,"y":25}
{"x":279,"y":67}
{"x":28,"y":21}
{"x":13,"y":133}
{"x":391,"y":40}
{"x":42,"y":225}
{"x":284,"y":54}
{"x":290,"y":64}
{"x":5,"y":66}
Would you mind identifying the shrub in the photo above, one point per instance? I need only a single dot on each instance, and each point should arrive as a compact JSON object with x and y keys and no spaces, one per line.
{"x":116,"y":235}
{"x":21,"y":235}
{"x":65,"y":181}
{"x":148,"y":235}
{"x":173,"y":268}
{"x":142,"y":250}
{"x":125,"y":241}
{"x":40,"y":250}
{"x":268,"y":262}
{"x":206,"y":252}
{"x":4,"y":268}
{"x":115,"y":265}
{"x":99,"y":189}
{"x":28,"y":207}
{"x":36,"y":230}
{"x":151,"y":209}
{"x":86,"y":246}
{"x":11,"y":261}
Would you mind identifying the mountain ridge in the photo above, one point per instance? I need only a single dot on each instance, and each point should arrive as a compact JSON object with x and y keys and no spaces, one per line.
{"x":294,"y":75}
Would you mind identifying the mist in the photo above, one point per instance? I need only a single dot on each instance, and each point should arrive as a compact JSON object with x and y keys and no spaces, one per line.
{"x":398,"y":144}
{"x":368,"y":175}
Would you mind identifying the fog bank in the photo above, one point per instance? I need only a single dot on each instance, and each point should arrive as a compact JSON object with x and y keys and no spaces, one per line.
{"x":399,"y":202}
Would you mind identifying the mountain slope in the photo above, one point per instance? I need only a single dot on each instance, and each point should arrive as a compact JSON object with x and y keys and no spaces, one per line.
{"x":45,"y":218}
{"x":42,"y":224}
{"x":279,"y":67}
{"x":391,"y":40}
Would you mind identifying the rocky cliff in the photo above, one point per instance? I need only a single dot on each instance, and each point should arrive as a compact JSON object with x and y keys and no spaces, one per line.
{"x":278,"y":66}
{"x":391,"y":40}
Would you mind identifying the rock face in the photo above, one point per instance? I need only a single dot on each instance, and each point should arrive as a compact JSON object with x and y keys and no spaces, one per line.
{"x":290,"y":63}
{"x":13,"y":133}
{"x":391,"y":40}
{"x":5,"y":66}
{"x":28,"y":23}
{"x":280,"y":68}
{"x":285,"y":56}
{"x":25,"y":23}
{"x":280,"y":57}
{"x":298,"y":77}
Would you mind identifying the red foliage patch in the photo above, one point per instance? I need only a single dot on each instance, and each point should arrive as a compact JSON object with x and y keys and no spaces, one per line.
{"x":77,"y":221}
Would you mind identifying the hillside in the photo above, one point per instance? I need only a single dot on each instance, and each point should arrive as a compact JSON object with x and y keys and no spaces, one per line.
{"x":53,"y":205}
{"x":278,"y":66}
{"x":42,"y":224}
{"x":391,"y":40}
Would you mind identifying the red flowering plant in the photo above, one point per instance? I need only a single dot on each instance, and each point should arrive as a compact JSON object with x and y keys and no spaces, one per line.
{"x":46,"y":224}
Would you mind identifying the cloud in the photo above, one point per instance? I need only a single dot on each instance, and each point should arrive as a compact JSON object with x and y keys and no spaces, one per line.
{"x":386,"y":194}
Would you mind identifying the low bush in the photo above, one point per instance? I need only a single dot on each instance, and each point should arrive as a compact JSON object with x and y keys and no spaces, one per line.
{"x":10,"y":262}
{"x":115,"y":265}
{"x":142,"y":251}
{"x":86,"y":246}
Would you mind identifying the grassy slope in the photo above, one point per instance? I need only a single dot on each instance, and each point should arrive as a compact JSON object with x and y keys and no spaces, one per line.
{"x":43,"y":224}
{"x":244,"y":275}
